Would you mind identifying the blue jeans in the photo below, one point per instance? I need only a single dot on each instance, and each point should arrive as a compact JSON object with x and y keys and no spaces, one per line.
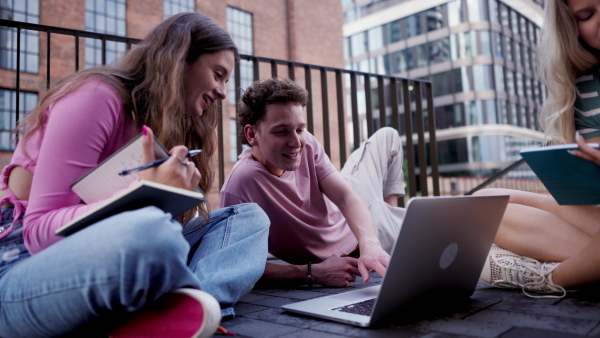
{"x":228,"y":254}
{"x":92,"y":277}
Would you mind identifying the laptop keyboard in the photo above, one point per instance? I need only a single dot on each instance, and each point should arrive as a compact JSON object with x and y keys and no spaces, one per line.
{"x":361,"y":308}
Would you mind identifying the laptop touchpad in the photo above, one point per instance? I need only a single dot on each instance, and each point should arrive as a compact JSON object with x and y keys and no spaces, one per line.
{"x":370,"y":292}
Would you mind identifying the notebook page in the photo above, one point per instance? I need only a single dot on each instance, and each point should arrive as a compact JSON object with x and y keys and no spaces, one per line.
{"x":104,"y":180}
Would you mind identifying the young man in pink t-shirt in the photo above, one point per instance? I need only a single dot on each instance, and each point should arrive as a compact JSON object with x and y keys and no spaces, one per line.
{"x":329,"y":225}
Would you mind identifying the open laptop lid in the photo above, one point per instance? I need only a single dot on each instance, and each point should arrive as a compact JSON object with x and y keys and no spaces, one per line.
{"x":442,"y":245}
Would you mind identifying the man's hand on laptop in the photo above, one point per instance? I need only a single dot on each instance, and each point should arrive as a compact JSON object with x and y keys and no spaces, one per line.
{"x":372,"y":258}
{"x":336,"y":271}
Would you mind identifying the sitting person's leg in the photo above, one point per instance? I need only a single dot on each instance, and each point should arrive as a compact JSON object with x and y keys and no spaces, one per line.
{"x":536,"y":226}
{"x":228,"y":254}
{"x":374,"y":171}
{"x":582,"y":268}
{"x":539,"y":234}
{"x":94,"y":276}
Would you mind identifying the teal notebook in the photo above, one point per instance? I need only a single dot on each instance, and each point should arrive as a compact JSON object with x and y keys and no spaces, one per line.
{"x":569,"y":179}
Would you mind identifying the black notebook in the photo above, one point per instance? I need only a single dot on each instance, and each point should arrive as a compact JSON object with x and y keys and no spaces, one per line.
{"x":141,"y":194}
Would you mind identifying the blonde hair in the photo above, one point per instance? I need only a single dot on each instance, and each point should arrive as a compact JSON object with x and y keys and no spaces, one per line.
{"x":149,"y":81}
{"x":562,"y":58}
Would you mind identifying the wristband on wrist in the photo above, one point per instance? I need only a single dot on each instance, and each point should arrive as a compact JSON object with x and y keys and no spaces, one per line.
{"x":309,"y":270}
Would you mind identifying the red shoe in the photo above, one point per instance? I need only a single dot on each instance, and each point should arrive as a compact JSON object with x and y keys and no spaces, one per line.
{"x":182,"y":313}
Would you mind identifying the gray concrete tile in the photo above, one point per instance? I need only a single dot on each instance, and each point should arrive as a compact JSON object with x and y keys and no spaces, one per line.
{"x":375,"y":332}
{"x":242,"y":309}
{"x":535,"y":321}
{"x":312,"y":334}
{"x":595,"y":332}
{"x":465,"y":328}
{"x":531,"y":333}
{"x":278,"y":315}
{"x":275,"y":301}
{"x":247,"y":327}
{"x":253,"y":297}
{"x":569,"y":310}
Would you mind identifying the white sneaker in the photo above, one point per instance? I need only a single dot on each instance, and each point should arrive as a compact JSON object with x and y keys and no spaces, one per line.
{"x":506,"y":269}
{"x":181,"y":313}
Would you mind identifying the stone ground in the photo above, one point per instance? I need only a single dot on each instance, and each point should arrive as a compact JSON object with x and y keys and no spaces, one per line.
{"x":489,"y":312}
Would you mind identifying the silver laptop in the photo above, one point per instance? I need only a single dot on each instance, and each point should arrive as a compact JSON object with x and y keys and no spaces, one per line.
{"x":441,"y":248}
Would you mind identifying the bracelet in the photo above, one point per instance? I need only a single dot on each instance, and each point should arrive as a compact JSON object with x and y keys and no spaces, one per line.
{"x":309,"y":270}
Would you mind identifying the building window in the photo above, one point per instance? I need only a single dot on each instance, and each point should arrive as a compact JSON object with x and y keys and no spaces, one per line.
{"x":413,"y":25}
{"x":497,"y":44}
{"x":455,"y":13}
{"x":510,"y":82}
{"x":375,"y":36}
{"x":410,"y":59}
{"x":493,"y":5}
{"x":441,"y":84}
{"x":508,"y":55}
{"x":514,"y":20}
{"x":8,"y":118}
{"x":357,"y":44}
{"x":439,"y":51}
{"x":24,"y":11}
{"x":504,"y":16}
{"x":476,"y":10}
{"x":394,"y":31}
{"x":486,"y":43}
{"x":398,"y":61}
{"x":107,"y":17}
{"x":517,"y":53}
{"x":467,"y":44}
{"x":422,"y":55}
{"x":172,"y":7}
{"x":435,"y":18}
{"x":239,"y":24}
{"x":499,"y":78}
{"x":482,"y":77}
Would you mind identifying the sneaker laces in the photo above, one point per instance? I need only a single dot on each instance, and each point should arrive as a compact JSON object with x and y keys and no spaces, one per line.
{"x":528,"y":274}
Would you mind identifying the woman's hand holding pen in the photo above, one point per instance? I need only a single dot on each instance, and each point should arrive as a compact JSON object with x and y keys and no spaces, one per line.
{"x":177,"y":171}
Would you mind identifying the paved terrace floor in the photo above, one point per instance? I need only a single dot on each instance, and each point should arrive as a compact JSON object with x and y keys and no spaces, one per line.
{"x":489,"y":312}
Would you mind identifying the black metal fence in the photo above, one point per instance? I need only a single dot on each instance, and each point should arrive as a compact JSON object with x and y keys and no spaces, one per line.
{"x":345,"y":106}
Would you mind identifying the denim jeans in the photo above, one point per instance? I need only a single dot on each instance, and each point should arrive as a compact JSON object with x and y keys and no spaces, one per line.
{"x":228,"y":253}
{"x":92,"y":277}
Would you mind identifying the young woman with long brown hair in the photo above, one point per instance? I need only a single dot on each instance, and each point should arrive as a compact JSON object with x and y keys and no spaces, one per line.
{"x":133,"y":263}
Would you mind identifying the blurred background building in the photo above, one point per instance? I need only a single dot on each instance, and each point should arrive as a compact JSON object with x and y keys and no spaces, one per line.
{"x":480,"y":57}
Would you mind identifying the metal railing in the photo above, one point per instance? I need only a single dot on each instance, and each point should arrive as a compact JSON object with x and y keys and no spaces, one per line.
{"x":345,"y":106}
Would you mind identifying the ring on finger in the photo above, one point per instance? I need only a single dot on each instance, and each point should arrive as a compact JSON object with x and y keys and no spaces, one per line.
{"x":183,"y":161}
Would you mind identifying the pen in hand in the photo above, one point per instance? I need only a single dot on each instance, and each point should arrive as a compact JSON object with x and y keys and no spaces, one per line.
{"x":156,"y":163}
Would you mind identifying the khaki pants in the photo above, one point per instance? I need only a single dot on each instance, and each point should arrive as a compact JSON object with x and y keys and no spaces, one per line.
{"x":374,"y":171}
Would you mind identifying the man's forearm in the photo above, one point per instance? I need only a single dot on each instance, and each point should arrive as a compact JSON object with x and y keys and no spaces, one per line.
{"x":288,"y":274}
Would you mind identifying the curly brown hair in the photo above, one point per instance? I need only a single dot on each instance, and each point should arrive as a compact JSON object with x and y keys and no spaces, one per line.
{"x":251,"y":109}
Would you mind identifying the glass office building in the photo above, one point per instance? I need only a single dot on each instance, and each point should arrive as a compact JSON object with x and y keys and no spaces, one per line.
{"x":480,"y":57}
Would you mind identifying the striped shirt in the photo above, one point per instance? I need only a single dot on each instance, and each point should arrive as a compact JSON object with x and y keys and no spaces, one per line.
{"x":587,"y":105}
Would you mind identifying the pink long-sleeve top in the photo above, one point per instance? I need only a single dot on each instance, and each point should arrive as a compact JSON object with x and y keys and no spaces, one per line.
{"x":79,"y":131}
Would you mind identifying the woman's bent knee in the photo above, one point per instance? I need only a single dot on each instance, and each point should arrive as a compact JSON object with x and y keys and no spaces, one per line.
{"x":253,"y":214}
